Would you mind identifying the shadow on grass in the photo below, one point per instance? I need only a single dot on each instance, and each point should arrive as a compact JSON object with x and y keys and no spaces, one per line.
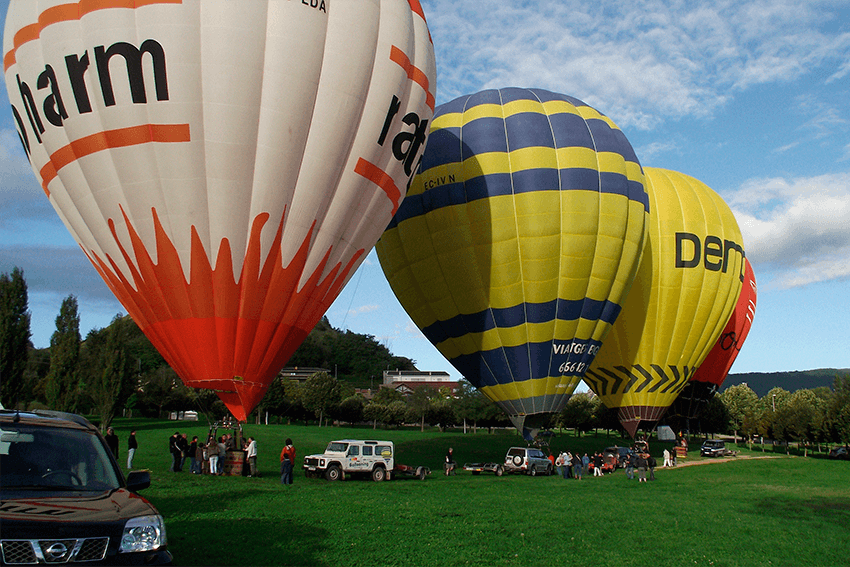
{"x":238,"y":528}
{"x":246,"y":542}
{"x":833,"y":509}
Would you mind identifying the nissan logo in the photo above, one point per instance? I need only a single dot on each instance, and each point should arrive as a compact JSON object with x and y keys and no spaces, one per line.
{"x":56,"y":550}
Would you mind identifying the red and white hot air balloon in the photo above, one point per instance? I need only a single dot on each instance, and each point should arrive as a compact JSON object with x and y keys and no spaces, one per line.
{"x":225,"y":166}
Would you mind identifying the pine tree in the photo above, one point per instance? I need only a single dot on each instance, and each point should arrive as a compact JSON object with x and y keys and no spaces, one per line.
{"x":62,"y":378}
{"x":14,"y":337}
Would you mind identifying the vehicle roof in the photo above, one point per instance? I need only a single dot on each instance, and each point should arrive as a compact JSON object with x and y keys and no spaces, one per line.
{"x":46,"y":418}
{"x":368,"y":442}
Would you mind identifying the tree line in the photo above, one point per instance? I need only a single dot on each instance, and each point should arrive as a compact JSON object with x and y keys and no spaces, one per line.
{"x":116,"y":371}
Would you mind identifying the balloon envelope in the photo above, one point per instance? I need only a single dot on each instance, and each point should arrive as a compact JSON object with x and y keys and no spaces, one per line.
{"x":516,"y":242}
{"x":689,"y":280}
{"x":225,"y":166}
{"x":708,"y":378}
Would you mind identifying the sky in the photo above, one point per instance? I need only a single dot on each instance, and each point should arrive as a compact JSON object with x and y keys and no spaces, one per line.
{"x":749,"y":97}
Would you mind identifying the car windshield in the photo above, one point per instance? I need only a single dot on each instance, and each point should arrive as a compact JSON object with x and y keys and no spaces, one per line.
{"x":336,"y":447}
{"x":48,"y":458}
{"x":713,"y":444}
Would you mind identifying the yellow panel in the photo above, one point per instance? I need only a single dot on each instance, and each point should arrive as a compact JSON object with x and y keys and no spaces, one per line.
{"x":672,"y":315}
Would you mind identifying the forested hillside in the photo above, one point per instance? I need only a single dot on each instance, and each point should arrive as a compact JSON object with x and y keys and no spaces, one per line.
{"x":762,"y":382}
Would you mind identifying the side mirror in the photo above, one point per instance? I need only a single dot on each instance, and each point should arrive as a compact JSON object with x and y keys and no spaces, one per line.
{"x":138,"y":480}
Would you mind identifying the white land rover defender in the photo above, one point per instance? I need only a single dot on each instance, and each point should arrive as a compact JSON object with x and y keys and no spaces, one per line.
{"x":349,"y":456}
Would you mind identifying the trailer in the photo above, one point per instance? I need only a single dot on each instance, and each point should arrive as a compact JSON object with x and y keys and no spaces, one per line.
{"x":419,"y":472}
{"x":478,"y":468}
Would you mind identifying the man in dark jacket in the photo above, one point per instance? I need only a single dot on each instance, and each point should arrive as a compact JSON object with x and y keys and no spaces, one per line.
{"x":175,"y":452}
{"x":112,"y":441}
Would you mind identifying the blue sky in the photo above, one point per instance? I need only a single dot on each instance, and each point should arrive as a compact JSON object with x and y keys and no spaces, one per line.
{"x":749,"y":97}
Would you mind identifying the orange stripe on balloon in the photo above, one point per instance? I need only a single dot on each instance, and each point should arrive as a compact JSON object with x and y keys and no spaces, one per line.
{"x":68,"y":13}
{"x":414,"y":73}
{"x":380,"y":178}
{"x":118,"y":138}
{"x":235,"y":345}
{"x":416,"y":7}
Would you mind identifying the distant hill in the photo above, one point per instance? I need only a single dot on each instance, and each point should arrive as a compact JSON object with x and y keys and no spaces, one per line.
{"x":762,"y":382}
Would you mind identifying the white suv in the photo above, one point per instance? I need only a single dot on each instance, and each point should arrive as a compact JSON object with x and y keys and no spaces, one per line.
{"x":348,"y":456}
{"x":527,"y":460}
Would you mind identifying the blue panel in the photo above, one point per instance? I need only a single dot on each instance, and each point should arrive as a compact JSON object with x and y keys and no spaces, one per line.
{"x":535,"y":180}
{"x":529,"y":130}
{"x":483,"y":135}
{"x":571,"y":131}
{"x":443,"y":147}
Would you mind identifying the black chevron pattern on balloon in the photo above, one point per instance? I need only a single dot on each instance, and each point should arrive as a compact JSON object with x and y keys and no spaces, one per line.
{"x":631,"y":381}
{"x":618,"y":381}
{"x":632,"y":377}
{"x":662,"y":375}
{"x":647,"y":378}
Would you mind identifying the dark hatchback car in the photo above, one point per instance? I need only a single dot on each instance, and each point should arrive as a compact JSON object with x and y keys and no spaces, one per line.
{"x":64,"y":499}
{"x":842,"y":453}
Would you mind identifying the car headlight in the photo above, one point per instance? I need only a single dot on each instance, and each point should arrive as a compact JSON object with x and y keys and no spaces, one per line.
{"x":145,"y":533}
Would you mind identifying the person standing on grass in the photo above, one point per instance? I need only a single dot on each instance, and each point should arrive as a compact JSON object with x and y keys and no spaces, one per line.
{"x":560,"y":463}
{"x":191,"y":452}
{"x":585,"y":464}
{"x":252,"y":457}
{"x":641,"y":467}
{"x":597,"y":464}
{"x":175,"y":452}
{"x":630,"y":466}
{"x":651,"y":464}
{"x":212,"y":453}
{"x":199,"y":456}
{"x":112,"y":441}
{"x":287,"y":461}
{"x":576,"y":467}
{"x":132,"y":445}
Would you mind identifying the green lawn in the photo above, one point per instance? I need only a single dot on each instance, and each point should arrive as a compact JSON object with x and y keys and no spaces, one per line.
{"x":773,"y":511}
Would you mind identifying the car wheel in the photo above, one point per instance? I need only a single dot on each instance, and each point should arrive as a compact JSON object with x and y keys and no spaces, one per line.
{"x":333,"y":473}
{"x":499,"y":471}
{"x":379,"y":474}
{"x":420,"y":472}
{"x":532,"y":470}
{"x":517,"y":460}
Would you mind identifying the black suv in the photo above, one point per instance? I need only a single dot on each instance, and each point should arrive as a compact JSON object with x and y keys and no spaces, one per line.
{"x":63,"y":498}
{"x":713,"y":448}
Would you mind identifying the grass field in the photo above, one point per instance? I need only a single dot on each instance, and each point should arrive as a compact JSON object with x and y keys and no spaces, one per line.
{"x":748,"y":511}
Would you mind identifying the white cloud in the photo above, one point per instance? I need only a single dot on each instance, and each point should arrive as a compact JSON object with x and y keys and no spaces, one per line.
{"x":798,"y":228}
{"x":639,"y":62}
{"x":363,"y":309}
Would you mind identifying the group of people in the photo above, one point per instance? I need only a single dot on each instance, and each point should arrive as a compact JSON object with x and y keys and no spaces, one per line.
{"x":573,"y":465}
{"x":209,"y":457}
{"x":570,"y":465}
{"x":206,"y":458}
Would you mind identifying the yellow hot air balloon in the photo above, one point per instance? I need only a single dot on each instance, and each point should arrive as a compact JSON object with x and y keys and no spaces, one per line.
{"x":517,"y":241}
{"x":687,"y":286}
{"x":225,"y":165}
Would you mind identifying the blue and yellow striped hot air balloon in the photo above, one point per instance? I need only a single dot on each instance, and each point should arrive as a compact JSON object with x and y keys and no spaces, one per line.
{"x":517,"y":242}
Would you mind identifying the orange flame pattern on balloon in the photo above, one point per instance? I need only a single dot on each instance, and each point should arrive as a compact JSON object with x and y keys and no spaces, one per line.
{"x":188,"y":329}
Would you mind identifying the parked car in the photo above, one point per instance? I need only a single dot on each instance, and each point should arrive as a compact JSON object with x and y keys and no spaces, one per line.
{"x":714,"y":448}
{"x":64,"y":499}
{"x":527,"y":460}
{"x":842,"y":453}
